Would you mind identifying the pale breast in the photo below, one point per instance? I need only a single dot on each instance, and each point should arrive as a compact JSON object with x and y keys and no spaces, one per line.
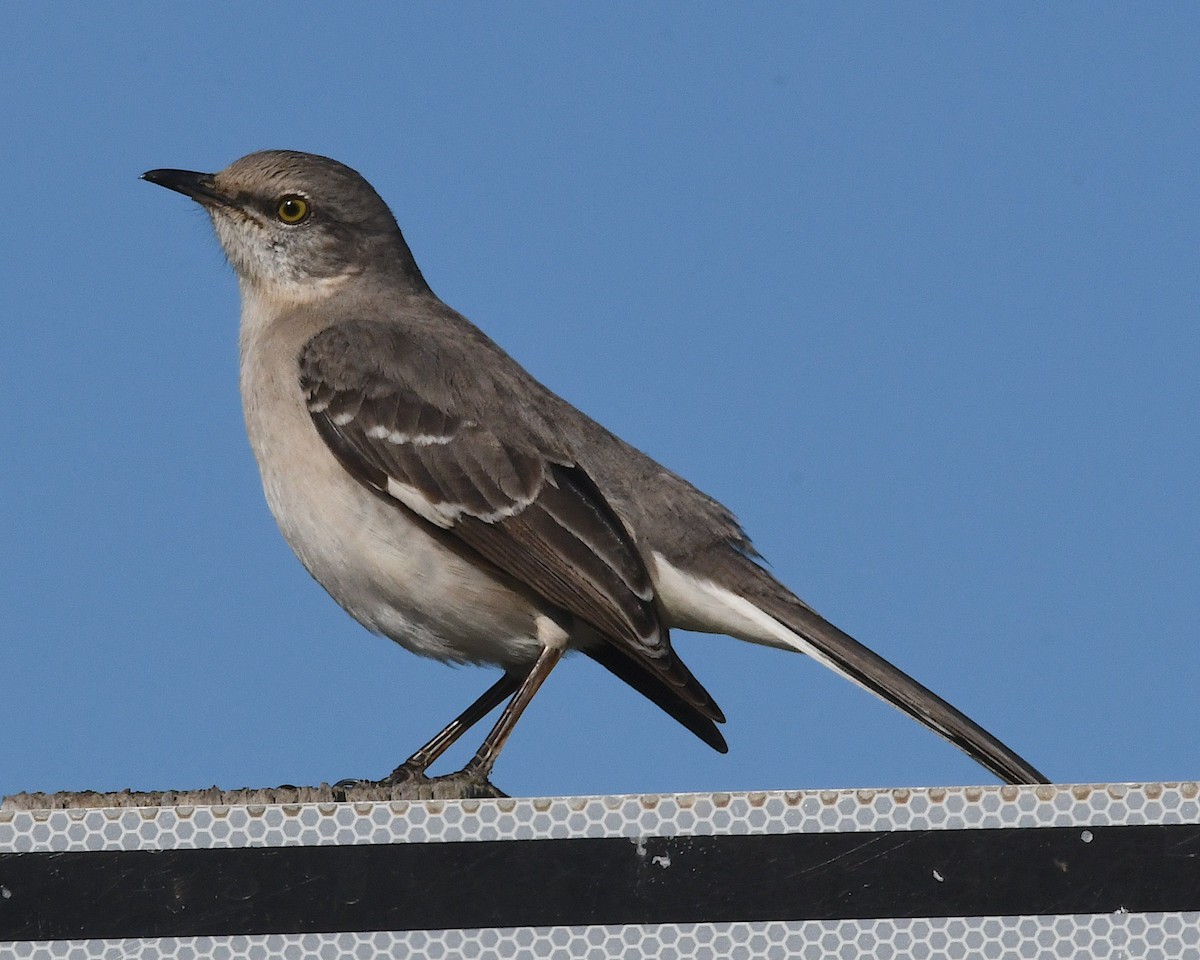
{"x":378,"y":561}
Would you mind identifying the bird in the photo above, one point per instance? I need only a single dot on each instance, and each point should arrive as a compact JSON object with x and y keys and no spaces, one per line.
{"x":449,"y":501}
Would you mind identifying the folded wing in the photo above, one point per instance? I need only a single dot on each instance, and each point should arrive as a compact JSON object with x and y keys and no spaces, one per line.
{"x":532,"y":513}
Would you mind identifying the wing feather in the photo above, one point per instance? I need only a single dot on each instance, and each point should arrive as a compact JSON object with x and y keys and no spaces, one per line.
{"x":531,"y":512}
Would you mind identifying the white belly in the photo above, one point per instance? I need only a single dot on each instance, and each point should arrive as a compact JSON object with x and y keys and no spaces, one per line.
{"x":385,"y":566}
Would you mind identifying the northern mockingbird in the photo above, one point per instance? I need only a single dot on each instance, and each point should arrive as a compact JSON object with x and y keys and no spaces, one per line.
{"x":448,"y":500}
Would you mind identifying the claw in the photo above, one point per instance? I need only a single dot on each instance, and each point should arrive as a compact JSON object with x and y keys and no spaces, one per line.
{"x":405,"y":773}
{"x":470,"y":785}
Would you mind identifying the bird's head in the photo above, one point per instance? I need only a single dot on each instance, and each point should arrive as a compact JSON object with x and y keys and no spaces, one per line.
{"x":295,"y":223}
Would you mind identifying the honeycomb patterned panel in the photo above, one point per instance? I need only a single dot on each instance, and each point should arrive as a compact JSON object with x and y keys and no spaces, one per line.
{"x":1156,"y":936}
{"x":1120,"y":935}
{"x":826,"y":811}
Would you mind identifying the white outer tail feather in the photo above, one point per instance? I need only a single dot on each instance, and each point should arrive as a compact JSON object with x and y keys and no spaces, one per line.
{"x":693,"y":603}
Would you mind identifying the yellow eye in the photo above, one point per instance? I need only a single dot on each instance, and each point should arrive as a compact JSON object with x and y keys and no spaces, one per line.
{"x":292,"y":209}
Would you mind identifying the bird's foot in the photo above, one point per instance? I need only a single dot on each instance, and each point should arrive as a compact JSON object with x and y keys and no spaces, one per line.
{"x":407,"y":772}
{"x":466,"y":784}
{"x":411,"y":782}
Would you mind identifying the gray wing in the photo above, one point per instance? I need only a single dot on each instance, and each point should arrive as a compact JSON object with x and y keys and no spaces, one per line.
{"x":535,"y":515}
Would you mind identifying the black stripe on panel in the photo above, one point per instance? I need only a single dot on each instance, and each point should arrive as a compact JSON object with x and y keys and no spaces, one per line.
{"x":821,"y":876}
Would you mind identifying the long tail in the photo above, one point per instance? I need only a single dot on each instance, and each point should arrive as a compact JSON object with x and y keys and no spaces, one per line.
{"x":753,"y":606}
{"x":845,"y":655}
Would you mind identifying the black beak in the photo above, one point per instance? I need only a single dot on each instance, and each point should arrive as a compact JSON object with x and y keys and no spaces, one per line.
{"x":199,"y":186}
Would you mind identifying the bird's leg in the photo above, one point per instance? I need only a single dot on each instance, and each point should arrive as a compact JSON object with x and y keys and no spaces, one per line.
{"x":416,"y":765}
{"x":480,"y":766}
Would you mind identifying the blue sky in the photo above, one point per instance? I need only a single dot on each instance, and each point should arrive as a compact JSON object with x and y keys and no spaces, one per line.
{"x":913,"y":291}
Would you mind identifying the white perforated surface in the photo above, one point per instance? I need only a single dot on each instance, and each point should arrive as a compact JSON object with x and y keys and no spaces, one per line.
{"x":951,"y":808}
{"x":1171,"y":936}
{"x":1129,"y":936}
